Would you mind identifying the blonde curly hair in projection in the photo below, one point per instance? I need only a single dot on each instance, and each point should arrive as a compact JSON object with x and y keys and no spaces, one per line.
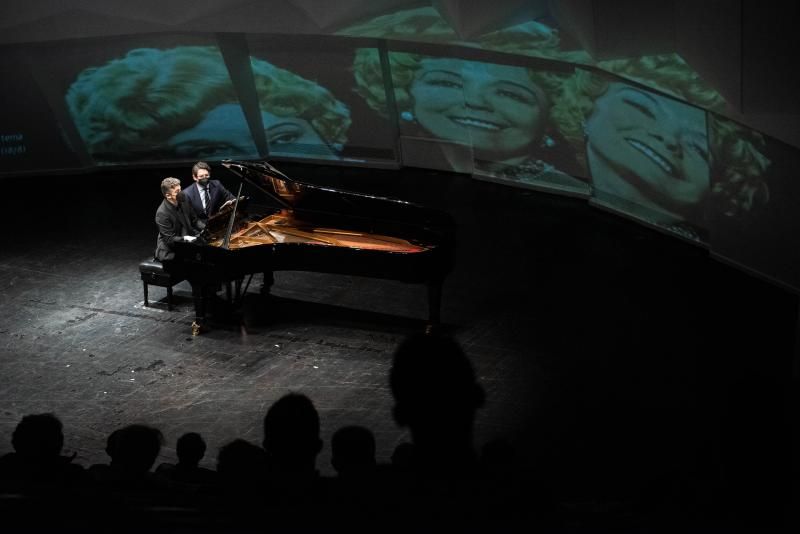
{"x":739,"y":152}
{"x":136,"y":103}
{"x":418,"y":24}
{"x":425,"y":24}
{"x":735,"y":149}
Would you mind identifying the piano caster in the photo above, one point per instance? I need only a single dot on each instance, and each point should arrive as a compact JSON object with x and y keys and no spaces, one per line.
{"x":197,"y":328}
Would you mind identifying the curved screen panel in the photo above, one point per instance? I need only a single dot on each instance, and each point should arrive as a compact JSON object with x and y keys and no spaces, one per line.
{"x":150,"y":98}
{"x":753,"y":216}
{"x":647,"y":154}
{"x":538,"y":37}
{"x":305,"y":91}
{"x":491,"y":119}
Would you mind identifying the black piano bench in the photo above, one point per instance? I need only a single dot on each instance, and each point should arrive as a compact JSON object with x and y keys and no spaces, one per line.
{"x":153,"y":273}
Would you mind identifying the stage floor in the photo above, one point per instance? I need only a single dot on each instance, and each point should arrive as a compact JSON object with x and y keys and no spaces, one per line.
{"x":610,"y":354}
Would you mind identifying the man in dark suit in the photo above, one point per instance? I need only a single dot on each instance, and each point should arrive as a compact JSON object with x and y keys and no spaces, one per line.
{"x":175,"y":219}
{"x":206,"y":196}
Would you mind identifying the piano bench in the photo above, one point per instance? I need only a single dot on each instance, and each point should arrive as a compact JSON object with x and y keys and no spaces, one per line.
{"x":153,"y":273}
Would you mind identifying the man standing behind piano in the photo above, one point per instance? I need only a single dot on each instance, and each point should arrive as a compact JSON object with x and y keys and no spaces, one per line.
{"x":175,"y":219}
{"x":205,"y":195}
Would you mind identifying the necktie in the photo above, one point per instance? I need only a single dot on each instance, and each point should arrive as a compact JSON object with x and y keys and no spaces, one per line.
{"x":207,"y":199}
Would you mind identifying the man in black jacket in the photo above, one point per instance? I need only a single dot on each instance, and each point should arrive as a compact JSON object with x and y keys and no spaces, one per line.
{"x":176,"y":220}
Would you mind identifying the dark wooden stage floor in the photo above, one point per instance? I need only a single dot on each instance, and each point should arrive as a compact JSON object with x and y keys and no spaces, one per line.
{"x":614,"y":358}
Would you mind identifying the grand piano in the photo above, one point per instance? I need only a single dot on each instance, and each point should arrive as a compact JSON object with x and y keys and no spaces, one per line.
{"x":307,"y":227}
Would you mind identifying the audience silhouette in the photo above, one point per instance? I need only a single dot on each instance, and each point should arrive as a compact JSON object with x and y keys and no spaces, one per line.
{"x":292,"y":443}
{"x":353,"y":452}
{"x":291,"y":438}
{"x":190,"y":449}
{"x":435,"y":482}
{"x":361,"y":485}
{"x":242,"y":470}
{"x":37,"y":464}
{"x":133,"y":451}
{"x":436,"y":396}
{"x":36,"y":478}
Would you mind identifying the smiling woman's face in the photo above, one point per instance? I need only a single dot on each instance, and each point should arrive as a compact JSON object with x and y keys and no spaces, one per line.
{"x":223,"y":132}
{"x":496,"y":108}
{"x":649,"y":149}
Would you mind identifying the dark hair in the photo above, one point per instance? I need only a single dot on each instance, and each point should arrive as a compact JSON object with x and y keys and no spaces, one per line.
{"x":135,"y":447}
{"x":190,"y":448}
{"x":291,"y":426}
{"x":38,"y":435}
{"x":200,"y":165}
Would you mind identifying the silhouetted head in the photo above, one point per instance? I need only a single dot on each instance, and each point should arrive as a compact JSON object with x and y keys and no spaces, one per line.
{"x":291,"y":432}
{"x":190,"y":448}
{"x":134,"y":448}
{"x":38,"y":437}
{"x":435,"y":391}
{"x":242,"y":465}
{"x":353,"y":450}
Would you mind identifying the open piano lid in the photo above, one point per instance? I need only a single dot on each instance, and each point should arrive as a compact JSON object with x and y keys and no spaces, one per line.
{"x":314,"y":201}
{"x":268,"y":179}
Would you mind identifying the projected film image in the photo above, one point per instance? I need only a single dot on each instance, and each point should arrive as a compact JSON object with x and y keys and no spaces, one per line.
{"x":483,"y":117}
{"x":155,"y":104}
{"x":424,"y":24}
{"x":541,"y":38}
{"x":647,"y":154}
{"x":300,"y":117}
{"x":180,"y":103}
{"x":753,"y":220}
{"x":743,"y":172}
{"x":310,"y":87}
{"x":497,"y":116}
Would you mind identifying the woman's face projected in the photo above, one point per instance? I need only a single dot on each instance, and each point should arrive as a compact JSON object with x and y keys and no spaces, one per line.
{"x":648,"y":149}
{"x":496,"y":108}
{"x":223,"y":132}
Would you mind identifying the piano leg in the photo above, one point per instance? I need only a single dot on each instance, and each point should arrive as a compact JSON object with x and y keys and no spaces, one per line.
{"x":199,"y":295}
{"x":269,"y":280}
{"x":434,"y":303}
{"x":238,"y":287}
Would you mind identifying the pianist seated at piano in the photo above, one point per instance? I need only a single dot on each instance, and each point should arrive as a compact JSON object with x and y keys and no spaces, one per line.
{"x":206,"y":196}
{"x":176,"y":221}
{"x":180,"y":103}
